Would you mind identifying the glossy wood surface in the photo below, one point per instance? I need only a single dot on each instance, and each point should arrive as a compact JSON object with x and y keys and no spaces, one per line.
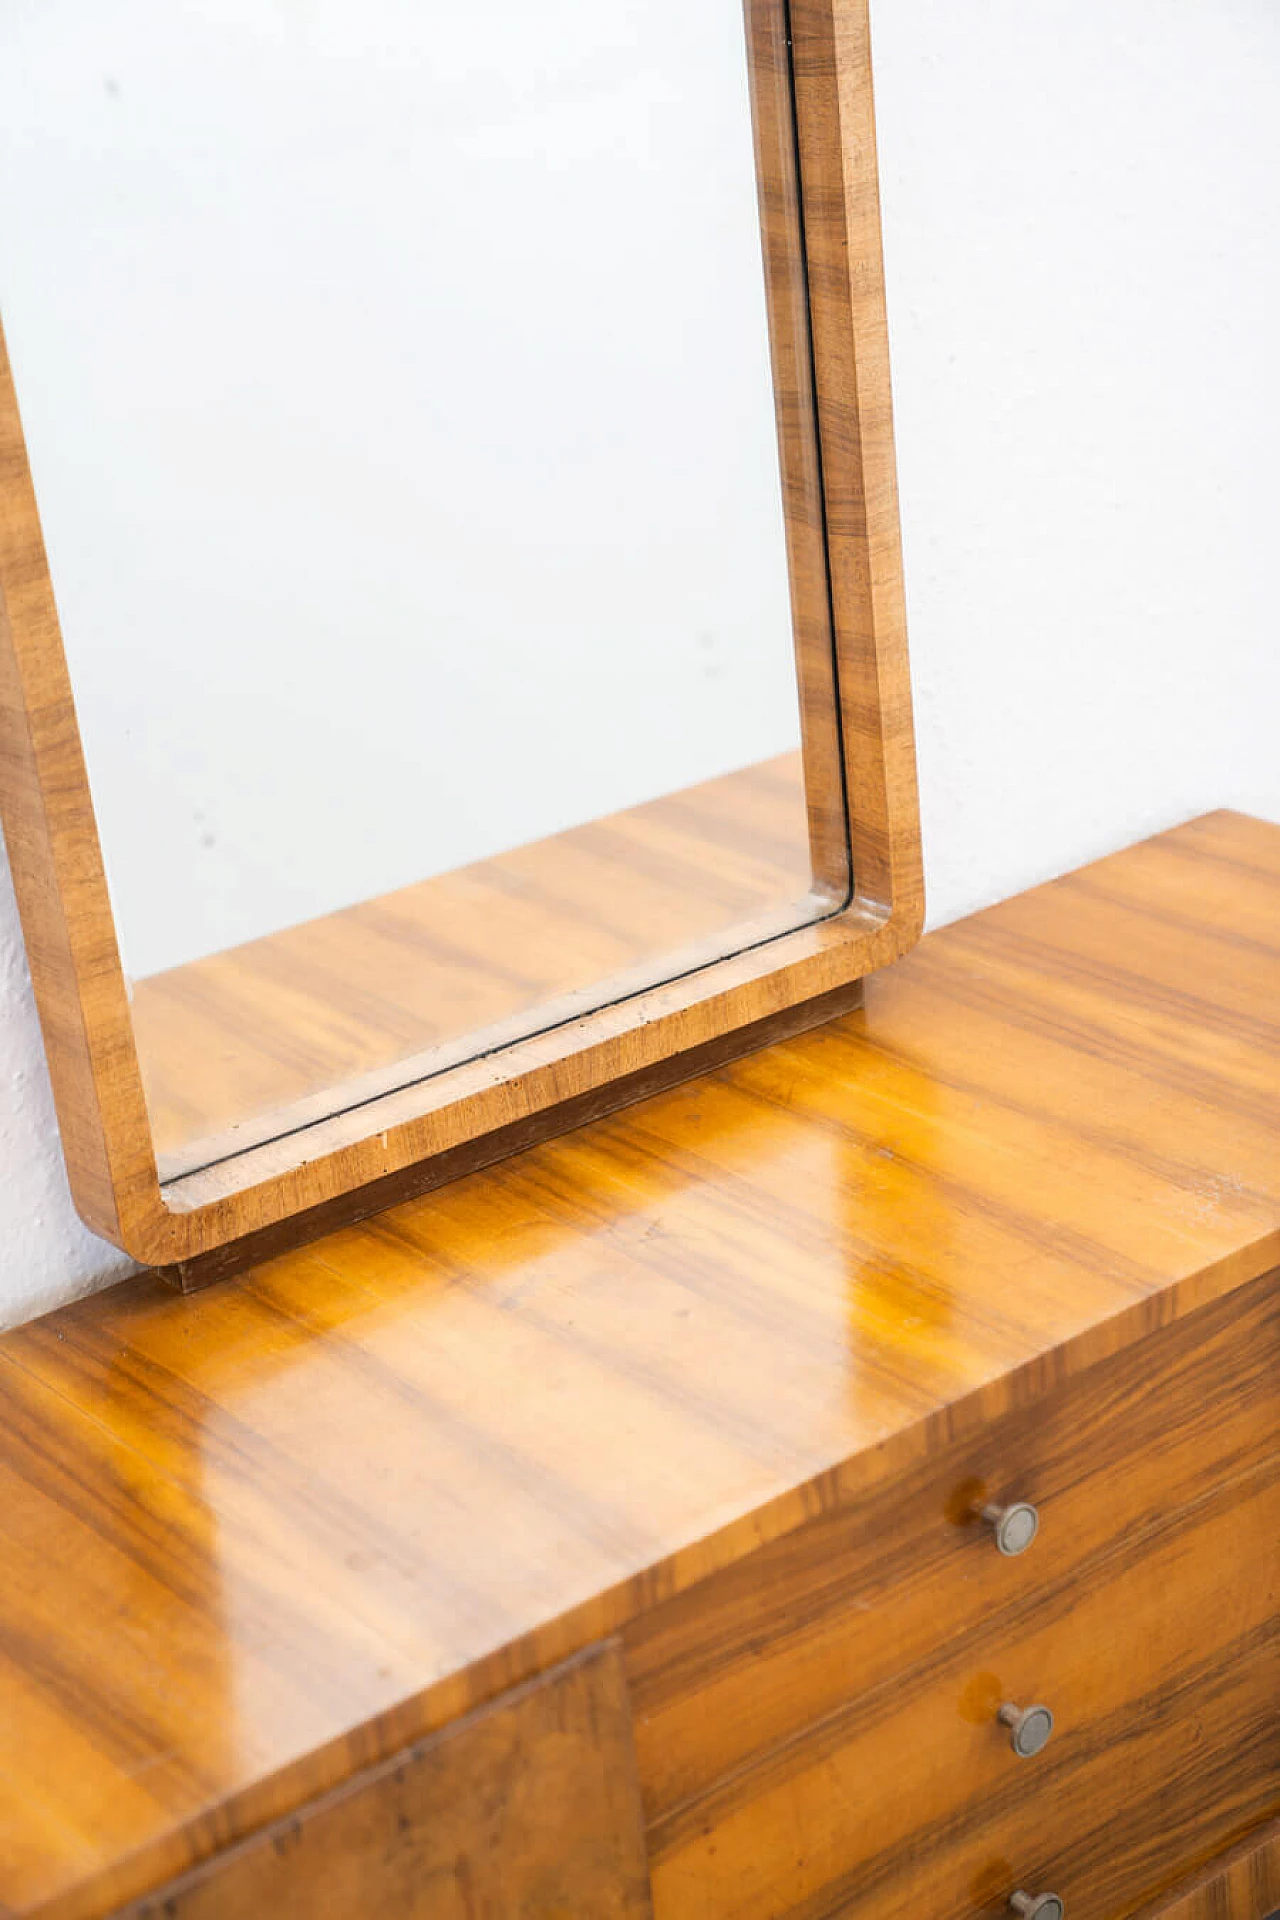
{"x":1245,"y":1885}
{"x":246,"y":1045}
{"x":526,"y":1809}
{"x":739,"y":1670}
{"x":813,"y":121}
{"x":818,"y":1727}
{"x":262,"y":1539}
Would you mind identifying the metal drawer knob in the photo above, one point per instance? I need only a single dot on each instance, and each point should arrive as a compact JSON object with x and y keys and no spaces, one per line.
{"x":1029,"y":1729}
{"x":1037,"y":1906}
{"x":1014,"y":1527}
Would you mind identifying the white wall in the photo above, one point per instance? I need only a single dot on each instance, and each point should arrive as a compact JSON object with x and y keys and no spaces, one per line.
{"x":1084,"y":275}
{"x":1085,"y":294}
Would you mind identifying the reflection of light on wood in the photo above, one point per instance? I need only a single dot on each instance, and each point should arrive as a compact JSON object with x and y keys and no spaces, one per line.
{"x":269,"y":1035}
{"x":711,"y":1373}
{"x":115,"y":1534}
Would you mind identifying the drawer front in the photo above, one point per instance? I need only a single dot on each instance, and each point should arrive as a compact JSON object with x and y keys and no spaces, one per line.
{"x":1241,"y":1885}
{"x":778,"y":1706}
{"x":527,"y":1808}
{"x":1164,"y":1680}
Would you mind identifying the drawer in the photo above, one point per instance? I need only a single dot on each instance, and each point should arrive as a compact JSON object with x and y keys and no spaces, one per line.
{"x":753,"y":1655}
{"x":1243,"y":1884}
{"x":793,"y":1654}
{"x":526,"y":1808}
{"x":1164,"y":1679}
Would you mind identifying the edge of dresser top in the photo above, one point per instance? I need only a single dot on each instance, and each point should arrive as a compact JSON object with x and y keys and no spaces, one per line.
{"x":260,"y":1539}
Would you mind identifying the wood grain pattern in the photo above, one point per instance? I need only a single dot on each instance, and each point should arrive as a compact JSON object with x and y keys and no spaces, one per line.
{"x":817,"y":1725}
{"x":820,"y":213}
{"x":1242,"y":1885}
{"x":743,"y":1666}
{"x":782,"y":225}
{"x":260,"y":1541}
{"x":408,"y":1183}
{"x":1166,"y":1747}
{"x":528,"y":1810}
{"x":266,"y":1038}
{"x":52,"y":842}
{"x":840,"y":186}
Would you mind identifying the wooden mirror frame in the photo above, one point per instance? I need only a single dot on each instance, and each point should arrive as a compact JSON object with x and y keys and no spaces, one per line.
{"x":816,"y":163}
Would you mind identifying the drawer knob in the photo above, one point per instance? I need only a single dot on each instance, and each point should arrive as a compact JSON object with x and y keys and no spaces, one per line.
{"x":1029,"y":1729}
{"x":1037,"y":1906}
{"x":1014,"y":1527}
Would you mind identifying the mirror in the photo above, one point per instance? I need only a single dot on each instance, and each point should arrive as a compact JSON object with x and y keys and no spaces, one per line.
{"x":432,"y":487}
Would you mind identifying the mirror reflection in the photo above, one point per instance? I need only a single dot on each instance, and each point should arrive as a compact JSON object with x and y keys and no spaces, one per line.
{"x":398,"y":392}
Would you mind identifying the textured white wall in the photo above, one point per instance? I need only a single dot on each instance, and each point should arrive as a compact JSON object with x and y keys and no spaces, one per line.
{"x":1084,"y":297}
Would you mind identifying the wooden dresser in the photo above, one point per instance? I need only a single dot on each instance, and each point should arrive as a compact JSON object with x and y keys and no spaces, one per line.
{"x":603,"y":1536}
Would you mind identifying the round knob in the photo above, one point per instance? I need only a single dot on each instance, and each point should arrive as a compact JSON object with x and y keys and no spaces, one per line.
{"x":1029,"y":1728}
{"x":1014,"y":1527}
{"x":1037,"y":1906}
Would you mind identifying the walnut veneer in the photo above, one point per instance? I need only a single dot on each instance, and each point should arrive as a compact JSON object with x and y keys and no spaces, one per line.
{"x":595,"y":1537}
{"x":245,"y":1046}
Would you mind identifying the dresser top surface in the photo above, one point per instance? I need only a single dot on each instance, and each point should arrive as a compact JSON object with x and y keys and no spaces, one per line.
{"x":258,"y":1537}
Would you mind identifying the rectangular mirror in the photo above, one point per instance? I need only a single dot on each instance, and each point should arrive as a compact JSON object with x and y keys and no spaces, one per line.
{"x":456,"y":672}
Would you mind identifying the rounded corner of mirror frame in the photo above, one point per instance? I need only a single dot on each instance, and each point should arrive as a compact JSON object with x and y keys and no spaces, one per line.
{"x":199,"y":1226}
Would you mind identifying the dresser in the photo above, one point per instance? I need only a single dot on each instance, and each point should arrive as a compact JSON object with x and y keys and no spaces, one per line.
{"x":847,"y":1485}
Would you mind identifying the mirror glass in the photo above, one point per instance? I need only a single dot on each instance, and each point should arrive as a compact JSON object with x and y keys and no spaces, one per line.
{"x":397,"y":385}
